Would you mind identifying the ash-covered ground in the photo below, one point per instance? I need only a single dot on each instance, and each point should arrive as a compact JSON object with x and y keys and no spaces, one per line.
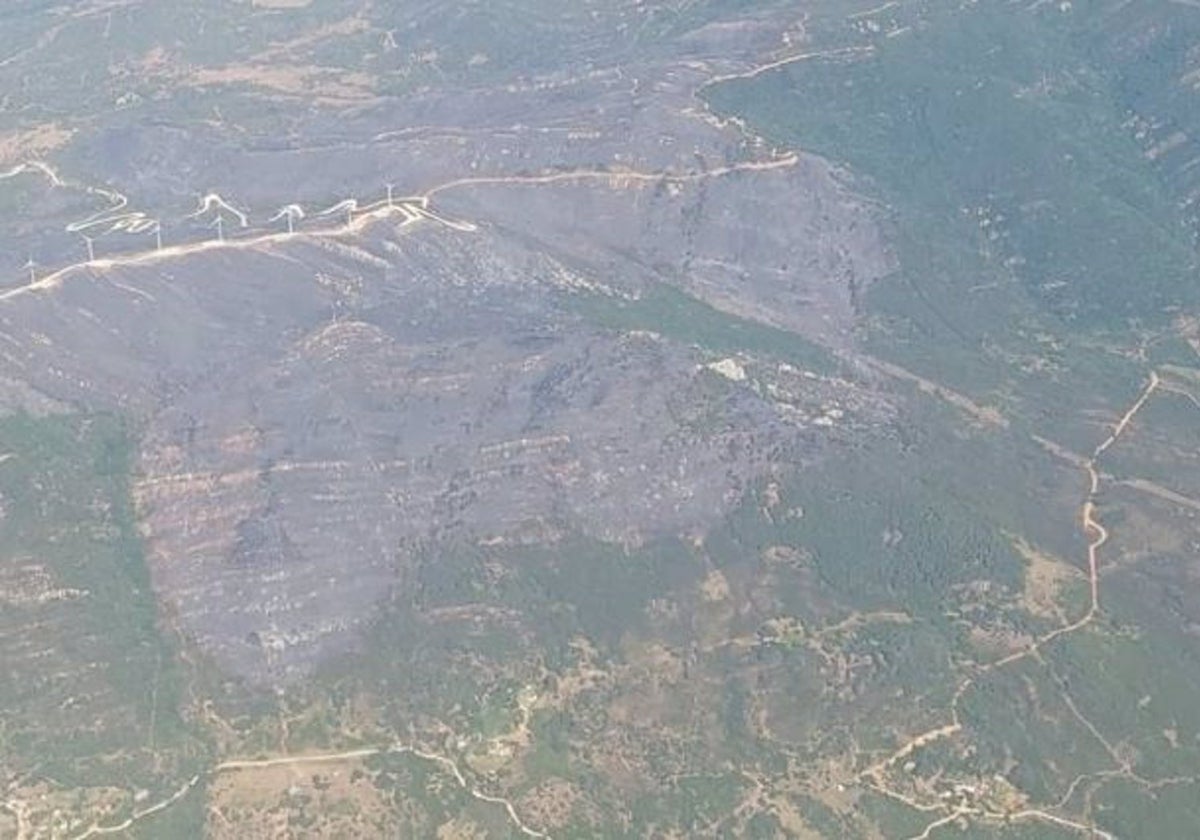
{"x":418,"y":366}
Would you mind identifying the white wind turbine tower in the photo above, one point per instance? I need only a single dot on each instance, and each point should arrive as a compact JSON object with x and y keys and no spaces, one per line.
{"x":91,"y":247}
{"x":29,"y":264}
{"x":349,"y":205}
{"x":213,"y":203}
{"x":291,"y":213}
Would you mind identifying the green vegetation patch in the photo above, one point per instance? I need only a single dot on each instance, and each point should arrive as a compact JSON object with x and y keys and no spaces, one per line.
{"x":993,"y":129}
{"x":93,"y":692}
{"x":679,"y":316}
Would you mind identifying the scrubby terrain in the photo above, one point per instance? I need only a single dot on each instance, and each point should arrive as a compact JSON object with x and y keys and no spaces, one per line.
{"x":598,"y":419}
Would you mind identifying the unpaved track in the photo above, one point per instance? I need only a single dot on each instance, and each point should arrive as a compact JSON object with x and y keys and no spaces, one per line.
{"x":234,"y":765}
{"x":116,"y":217}
{"x":1097,"y":536}
{"x":366,"y":752}
{"x":137,"y":816}
{"x":410,"y":210}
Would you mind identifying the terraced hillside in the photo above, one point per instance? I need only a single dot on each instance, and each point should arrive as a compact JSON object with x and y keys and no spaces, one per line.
{"x":599,"y":419}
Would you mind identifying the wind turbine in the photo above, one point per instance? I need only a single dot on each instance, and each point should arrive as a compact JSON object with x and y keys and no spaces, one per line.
{"x":348,"y":204}
{"x":29,"y":264}
{"x":91,"y":247}
{"x":213,"y":201}
{"x":389,"y":195}
{"x":220,"y":226}
{"x":291,"y":212}
{"x":157,"y":235}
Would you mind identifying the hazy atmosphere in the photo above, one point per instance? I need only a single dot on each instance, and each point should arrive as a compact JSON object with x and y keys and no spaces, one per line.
{"x":600,"y":419}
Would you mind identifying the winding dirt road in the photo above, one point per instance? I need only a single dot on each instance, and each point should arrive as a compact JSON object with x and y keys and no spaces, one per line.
{"x":1097,"y":535}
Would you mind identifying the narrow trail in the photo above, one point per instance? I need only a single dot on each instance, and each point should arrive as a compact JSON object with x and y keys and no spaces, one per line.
{"x":291,"y":760}
{"x":116,"y":217}
{"x":18,"y":809}
{"x":235,"y":765}
{"x":1097,"y":535}
{"x":1150,"y":488}
{"x":986,"y":415}
{"x":137,"y":816}
{"x":410,"y":211}
{"x":358,"y":217}
{"x":778,"y":64}
{"x":617,"y":177}
{"x":395,"y":749}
